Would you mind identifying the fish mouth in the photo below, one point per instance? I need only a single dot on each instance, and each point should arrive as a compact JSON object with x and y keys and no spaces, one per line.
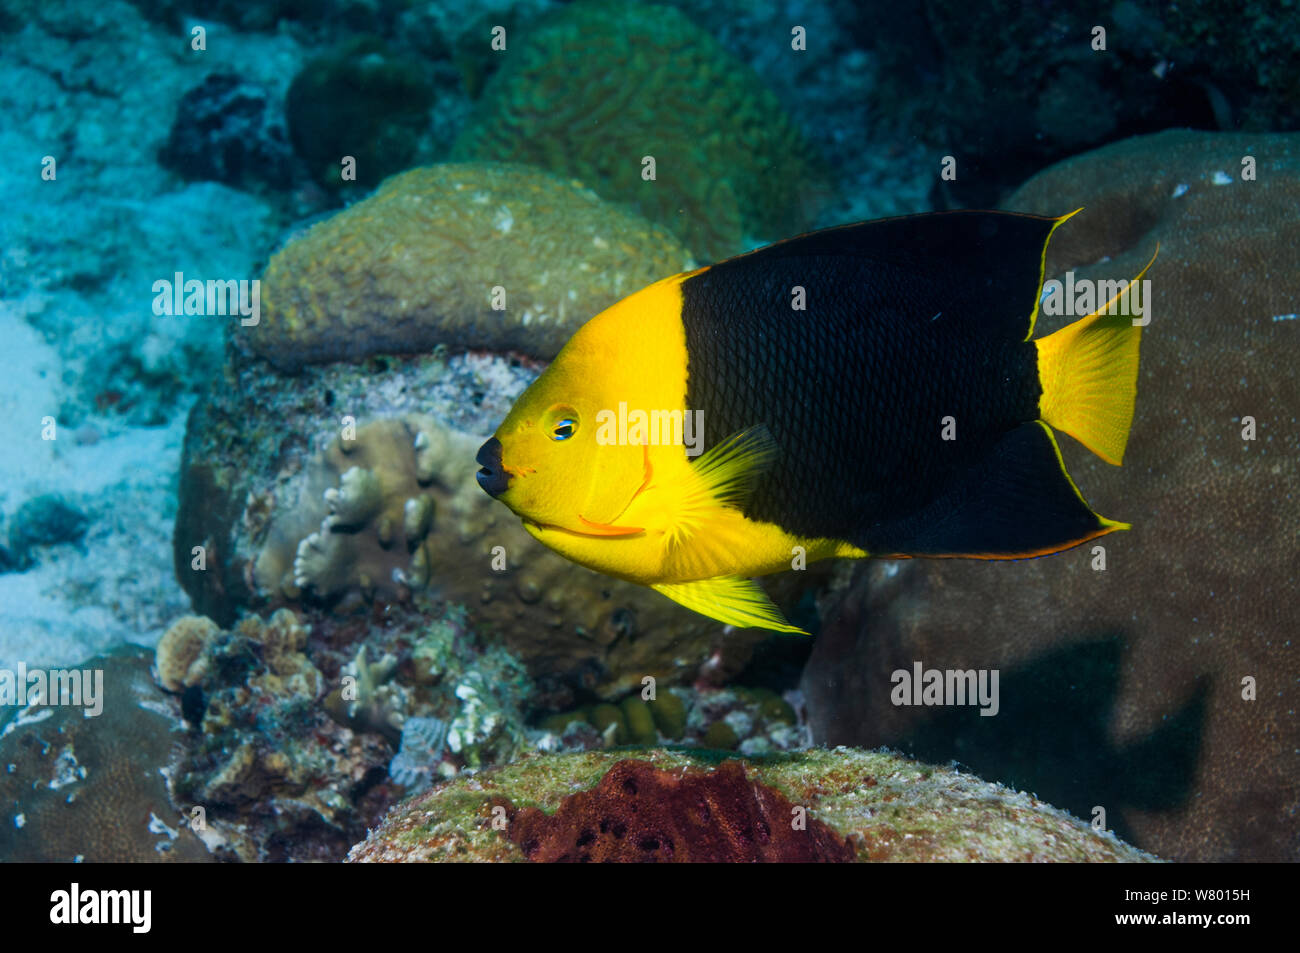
{"x":492,"y":475}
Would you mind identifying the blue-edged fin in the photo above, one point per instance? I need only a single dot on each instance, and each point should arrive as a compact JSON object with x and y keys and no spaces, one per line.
{"x":730,"y":599}
{"x":1016,"y":502}
{"x":1088,"y":371}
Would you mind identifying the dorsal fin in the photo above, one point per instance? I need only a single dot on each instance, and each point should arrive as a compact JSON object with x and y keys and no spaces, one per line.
{"x":983,"y":267}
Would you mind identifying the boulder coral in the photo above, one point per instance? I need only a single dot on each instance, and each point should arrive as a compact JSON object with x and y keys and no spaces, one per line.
{"x":594,"y":89}
{"x":464,"y":255}
{"x":1162,"y":687}
{"x":679,"y":805}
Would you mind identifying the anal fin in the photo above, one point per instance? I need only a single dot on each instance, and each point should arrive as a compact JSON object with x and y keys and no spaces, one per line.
{"x":1018,"y":501}
{"x":729,"y":599}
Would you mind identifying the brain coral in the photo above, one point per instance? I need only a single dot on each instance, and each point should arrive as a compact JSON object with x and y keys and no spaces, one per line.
{"x":593,"y":89}
{"x":887,"y":807}
{"x":89,"y":788}
{"x":1163,"y":688}
{"x":416,"y":265}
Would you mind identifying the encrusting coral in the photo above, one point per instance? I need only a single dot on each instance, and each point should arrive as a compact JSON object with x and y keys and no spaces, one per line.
{"x":641,"y":813}
{"x":595,"y":89}
{"x":877,"y":804}
{"x":466,"y":255}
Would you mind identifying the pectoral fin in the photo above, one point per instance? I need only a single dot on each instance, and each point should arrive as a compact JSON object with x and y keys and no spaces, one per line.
{"x":721,"y":479}
{"x":730,"y":599}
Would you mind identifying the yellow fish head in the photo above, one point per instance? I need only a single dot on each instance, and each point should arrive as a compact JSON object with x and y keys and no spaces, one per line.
{"x":550,"y":461}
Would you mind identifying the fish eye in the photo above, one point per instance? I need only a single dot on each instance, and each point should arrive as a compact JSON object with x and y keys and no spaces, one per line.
{"x":564,"y":422}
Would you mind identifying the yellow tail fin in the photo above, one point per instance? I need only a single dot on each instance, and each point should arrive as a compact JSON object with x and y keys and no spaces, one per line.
{"x":1088,"y":371}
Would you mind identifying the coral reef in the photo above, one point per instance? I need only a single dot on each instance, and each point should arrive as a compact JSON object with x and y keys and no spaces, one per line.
{"x":362,"y":100}
{"x":89,"y":789}
{"x":887,"y":807}
{"x":416,"y":265}
{"x":596,"y":87}
{"x":260,"y":458}
{"x":1051,"y":91}
{"x":228,"y":130}
{"x":181,"y":658}
{"x":298,"y":738}
{"x":266,"y":762}
{"x":754,"y":721}
{"x":1162,"y":687}
{"x":640,"y":813}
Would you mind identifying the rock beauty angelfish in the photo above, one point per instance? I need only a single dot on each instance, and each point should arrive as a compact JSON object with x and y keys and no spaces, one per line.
{"x":904,"y":410}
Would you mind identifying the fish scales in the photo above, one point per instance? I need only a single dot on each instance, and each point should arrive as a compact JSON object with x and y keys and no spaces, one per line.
{"x":853,"y":389}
